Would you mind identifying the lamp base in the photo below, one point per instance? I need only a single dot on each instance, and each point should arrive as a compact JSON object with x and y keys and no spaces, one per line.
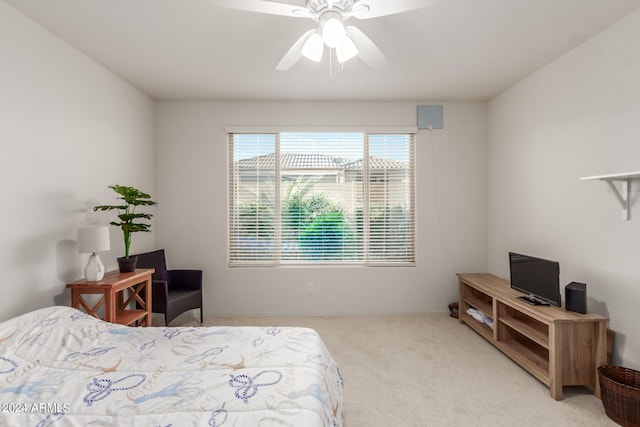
{"x":94,"y":271}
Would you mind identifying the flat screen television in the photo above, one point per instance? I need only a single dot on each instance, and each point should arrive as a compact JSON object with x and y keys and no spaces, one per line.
{"x":538,"y":278}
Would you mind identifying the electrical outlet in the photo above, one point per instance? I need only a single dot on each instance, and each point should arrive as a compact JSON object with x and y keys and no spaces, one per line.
{"x":310,"y":288}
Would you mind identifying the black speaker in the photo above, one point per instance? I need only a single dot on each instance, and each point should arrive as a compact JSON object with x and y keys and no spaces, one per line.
{"x":575,"y":297}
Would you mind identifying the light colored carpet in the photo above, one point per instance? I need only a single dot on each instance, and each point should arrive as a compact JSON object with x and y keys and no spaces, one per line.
{"x":430,"y":370}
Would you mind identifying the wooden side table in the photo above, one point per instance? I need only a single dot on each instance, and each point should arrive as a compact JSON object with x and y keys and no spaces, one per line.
{"x":116,"y":305}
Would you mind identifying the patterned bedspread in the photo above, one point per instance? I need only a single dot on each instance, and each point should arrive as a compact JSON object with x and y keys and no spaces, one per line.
{"x":61,"y":367}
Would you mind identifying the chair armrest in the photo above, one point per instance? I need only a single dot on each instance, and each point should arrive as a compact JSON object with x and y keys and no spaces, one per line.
{"x":186,"y":279}
{"x":160,"y":290}
{"x":159,"y":296}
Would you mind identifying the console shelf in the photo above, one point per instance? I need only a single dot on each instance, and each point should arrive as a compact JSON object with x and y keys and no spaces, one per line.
{"x":531,"y":330}
{"x":479,"y":304}
{"x":556,"y":346}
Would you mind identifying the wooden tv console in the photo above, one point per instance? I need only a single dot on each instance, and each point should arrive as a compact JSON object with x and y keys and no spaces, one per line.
{"x":556,"y":346}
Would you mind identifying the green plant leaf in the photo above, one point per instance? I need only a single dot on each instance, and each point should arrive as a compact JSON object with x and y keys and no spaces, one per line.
{"x":132,"y":198}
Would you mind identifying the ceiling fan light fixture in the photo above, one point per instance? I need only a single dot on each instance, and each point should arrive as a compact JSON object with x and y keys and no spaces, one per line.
{"x":313,"y":48}
{"x":346,"y":50}
{"x":330,"y":16}
{"x":333,"y":32}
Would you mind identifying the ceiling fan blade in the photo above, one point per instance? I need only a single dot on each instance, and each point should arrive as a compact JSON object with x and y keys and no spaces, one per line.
{"x":264,"y":6}
{"x":367,"y":9}
{"x":294,"y":54}
{"x":367,"y":50}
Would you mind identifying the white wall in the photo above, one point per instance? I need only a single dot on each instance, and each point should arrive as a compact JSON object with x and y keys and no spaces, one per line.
{"x":451,"y":209}
{"x":579,"y":116}
{"x":69,"y":128}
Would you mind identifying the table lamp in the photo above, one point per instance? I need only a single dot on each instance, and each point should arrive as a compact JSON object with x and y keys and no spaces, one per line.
{"x":93,"y":240}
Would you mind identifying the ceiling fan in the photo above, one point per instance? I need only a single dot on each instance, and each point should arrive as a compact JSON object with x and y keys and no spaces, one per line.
{"x":331,"y":15}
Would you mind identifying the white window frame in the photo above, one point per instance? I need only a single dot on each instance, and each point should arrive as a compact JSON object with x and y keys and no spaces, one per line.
{"x":367,"y":130}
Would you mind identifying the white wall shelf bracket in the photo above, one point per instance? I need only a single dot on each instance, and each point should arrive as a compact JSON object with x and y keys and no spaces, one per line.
{"x":622,"y":195}
{"x":622,"y":191}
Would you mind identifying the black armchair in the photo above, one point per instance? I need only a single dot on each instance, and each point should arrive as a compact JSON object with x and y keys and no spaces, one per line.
{"x":173,"y":291}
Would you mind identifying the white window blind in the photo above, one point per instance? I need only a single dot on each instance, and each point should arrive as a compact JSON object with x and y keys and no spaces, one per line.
{"x":321,"y":198}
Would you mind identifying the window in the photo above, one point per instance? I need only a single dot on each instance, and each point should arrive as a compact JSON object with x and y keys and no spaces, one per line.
{"x":321,"y":198}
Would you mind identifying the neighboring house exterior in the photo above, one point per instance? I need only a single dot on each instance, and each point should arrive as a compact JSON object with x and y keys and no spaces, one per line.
{"x":328,"y":169}
{"x":322,"y":204}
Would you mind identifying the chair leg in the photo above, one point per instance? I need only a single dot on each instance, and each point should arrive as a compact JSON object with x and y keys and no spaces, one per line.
{"x":201,"y":317}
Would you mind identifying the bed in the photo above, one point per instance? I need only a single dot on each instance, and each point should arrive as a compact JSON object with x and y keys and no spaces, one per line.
{"x":62,"y":367}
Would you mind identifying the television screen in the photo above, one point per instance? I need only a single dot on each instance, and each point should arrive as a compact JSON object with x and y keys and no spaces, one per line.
{"x":536,"y":277}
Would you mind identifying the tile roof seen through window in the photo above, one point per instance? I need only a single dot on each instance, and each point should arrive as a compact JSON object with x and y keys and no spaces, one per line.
{"x":377,"y":163}
{"x":290,"y":161}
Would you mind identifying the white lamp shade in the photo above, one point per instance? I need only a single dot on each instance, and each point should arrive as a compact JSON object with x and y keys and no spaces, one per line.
{"x":93,"y":239}
{"x":333,"y":32}
{"x":313,"y":48}
{"x":346,"y":50}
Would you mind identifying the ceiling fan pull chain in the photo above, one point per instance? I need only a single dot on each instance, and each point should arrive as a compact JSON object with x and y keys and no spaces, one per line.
{"x":330,"y":65}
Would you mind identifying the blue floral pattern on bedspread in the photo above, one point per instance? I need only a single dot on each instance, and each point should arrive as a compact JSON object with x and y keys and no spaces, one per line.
{"x":60,"y":367}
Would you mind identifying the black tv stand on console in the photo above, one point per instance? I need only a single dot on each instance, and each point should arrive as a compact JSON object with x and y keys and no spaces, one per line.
{"x":532,"y":301}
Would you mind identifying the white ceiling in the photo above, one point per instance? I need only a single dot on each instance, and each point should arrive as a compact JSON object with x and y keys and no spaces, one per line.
{"x":450,"y":50}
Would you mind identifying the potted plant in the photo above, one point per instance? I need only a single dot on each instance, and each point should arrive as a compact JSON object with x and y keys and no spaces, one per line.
{"x":129,"y":219}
